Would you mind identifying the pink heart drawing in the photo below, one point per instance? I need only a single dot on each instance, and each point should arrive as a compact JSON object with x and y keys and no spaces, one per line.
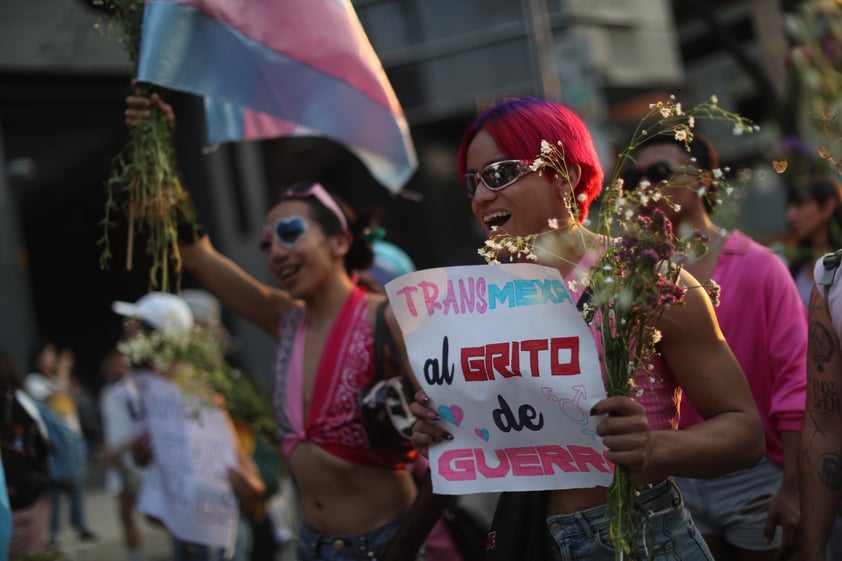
{"x":453,"y":414}
{"x":482,"y":433}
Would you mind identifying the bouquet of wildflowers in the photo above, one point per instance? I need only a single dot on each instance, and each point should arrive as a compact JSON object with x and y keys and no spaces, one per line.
{"x":147,"y":169}
{"x":636,"y":277}
{"x":196,"y":359}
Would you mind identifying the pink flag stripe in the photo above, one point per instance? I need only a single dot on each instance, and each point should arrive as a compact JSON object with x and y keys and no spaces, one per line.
{"x":254,"y":92}
{"x":325,"y":34}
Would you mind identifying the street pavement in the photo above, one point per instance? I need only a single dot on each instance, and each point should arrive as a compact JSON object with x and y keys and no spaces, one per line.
{"x":104,"y":521}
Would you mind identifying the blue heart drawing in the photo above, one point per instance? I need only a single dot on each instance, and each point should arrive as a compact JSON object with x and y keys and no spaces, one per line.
{"x":452,"y":414}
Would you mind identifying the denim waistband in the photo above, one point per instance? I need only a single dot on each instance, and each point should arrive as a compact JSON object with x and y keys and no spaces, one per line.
{"x":662,"y":496}
{"x":361,"y":541}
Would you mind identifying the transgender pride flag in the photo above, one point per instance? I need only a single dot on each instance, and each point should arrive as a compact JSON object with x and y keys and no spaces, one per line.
{"x":269,"y":68}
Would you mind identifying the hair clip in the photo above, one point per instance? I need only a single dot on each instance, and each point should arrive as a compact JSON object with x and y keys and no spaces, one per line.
{"x":374,"y":234}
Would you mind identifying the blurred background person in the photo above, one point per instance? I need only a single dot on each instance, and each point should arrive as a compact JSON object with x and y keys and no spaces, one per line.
{"x":48,"y":382}
{"x":87,"y":409}
{"x":25,"y":446}
{"x":123,"y":476}
{"x":814,"y":217}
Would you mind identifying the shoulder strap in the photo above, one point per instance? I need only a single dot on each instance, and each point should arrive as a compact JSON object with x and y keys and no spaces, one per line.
{"x":382,"y":336}
{"x":585,"y":298}
{"x":831,"y":263}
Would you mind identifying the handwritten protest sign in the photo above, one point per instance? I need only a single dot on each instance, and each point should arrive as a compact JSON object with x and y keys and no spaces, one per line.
{"x":187,"y":487}
{"x":513,"y":371}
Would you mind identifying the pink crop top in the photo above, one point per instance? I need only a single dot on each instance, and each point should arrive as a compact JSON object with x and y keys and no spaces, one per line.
{"x":657,"y":389}
{"x":346,"y":365}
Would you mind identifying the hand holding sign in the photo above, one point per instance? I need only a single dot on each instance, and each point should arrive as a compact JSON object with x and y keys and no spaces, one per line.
{"x":511,"y":371}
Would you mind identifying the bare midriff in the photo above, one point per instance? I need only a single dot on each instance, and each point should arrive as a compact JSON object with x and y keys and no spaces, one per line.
{"x":341,"y":498}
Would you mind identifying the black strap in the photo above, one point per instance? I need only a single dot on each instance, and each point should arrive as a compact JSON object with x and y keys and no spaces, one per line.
{"x":586,"y":297}
{"x":382,"y":334}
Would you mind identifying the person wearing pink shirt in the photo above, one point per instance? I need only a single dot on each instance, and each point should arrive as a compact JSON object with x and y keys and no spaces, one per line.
{"x":762,"y":318}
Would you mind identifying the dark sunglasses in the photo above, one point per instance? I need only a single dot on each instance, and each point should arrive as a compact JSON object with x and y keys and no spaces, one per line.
{"x":287,"y":231}
{"x":496,"y":175}
{"x":656,"y":173}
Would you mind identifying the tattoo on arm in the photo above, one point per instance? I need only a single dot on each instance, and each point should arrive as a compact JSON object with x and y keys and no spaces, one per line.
{"x":831,"y":471}
{"x":817,"y":428}
{"x":825,"y":397}
{"x":821,"y":345}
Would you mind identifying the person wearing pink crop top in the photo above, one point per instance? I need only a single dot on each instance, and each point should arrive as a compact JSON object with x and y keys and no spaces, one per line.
{"x":751,"y":513}
{"x":573,"y":523}
{"x":352,"y":497}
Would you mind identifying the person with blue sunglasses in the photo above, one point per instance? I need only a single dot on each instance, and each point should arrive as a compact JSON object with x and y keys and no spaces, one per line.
{"x":353,"y":496}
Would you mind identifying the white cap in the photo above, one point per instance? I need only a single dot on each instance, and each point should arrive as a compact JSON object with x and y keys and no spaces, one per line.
{"x":204,"y":306}
{"x":163,"y":311}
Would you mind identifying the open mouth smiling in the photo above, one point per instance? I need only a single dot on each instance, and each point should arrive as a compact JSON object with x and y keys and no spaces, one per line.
{"x":496,"y":220}
{"x":287,"y":272}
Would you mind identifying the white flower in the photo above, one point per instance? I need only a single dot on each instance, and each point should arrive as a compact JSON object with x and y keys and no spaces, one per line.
{"x":680,"y":135}
{"x":553,"y":223}
{"x":714,"y":99}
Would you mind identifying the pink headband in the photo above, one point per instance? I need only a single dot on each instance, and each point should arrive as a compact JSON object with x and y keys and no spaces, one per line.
{"x":321,"y":194}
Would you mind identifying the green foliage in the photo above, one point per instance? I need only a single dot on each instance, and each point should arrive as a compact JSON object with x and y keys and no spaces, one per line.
{"x":146,"y":168}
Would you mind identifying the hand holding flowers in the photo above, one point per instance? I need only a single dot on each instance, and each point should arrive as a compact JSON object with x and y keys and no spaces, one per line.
{"x":636,"y":278}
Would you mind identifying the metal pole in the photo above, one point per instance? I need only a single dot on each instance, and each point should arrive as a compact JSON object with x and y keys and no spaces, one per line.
{"x":542,"y":33}
{"x":16,"y":310}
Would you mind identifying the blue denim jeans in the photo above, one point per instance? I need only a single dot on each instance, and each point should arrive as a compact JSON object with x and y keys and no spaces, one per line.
{"x":368,"y":546}
{"x":77,"y":513}
{"x":735,"y":506}
{"x":669,"y":533}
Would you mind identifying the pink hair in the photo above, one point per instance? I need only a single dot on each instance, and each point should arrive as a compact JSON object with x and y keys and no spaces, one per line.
{"x":518,"y":125}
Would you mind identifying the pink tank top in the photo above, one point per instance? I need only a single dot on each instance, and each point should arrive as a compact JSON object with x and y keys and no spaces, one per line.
{"x":657,"y":389}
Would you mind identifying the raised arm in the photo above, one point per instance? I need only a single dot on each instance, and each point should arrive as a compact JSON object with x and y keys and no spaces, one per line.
{"x":258,"y":303}
{"x":821,"y":434}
